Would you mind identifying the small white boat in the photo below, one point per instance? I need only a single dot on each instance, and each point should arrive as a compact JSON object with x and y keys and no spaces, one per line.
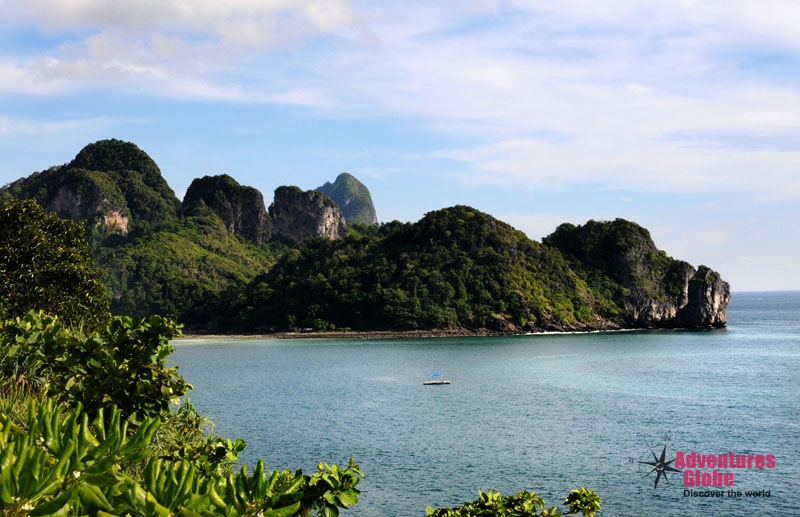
{"x":436,"y":379}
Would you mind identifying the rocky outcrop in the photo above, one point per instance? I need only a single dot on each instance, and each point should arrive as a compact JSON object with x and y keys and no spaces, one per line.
{"x":123,"y":166}
{"x":702,"y":303}
{"x":241,"y":208}
{"x":707,"y":301}
{"x":77,"y":194}
{"x":353,"y":198}
{"x":110,"y":184}
{"x":299,"y":215}
{"x":651,"y":289}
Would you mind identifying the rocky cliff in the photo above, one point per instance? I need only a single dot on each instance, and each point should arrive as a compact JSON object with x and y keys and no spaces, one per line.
{"x":353,"y":198}
{"x":110,"y":183}
{"x":619,"y":260}
{"x":707,"y":301}
{"x":299,"y":215}
{"x":241,"y":208}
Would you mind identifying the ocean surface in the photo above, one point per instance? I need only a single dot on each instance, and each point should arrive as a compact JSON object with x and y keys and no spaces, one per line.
{"x":545,"y":413}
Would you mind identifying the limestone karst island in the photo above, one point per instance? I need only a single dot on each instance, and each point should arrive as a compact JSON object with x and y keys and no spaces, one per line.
{"x":223,"y":260}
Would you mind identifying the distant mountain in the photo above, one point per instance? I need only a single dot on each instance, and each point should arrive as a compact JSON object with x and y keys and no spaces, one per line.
{"x":214,"y":261}
{"x":353,"y":198}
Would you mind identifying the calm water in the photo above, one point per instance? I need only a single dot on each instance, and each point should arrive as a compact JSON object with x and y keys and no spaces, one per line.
{"x":545,"y":413}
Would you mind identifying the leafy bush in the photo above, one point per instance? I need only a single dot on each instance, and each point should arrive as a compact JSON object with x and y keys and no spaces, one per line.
{"x":59,"y":464}
{"x":123,"y":365}
{"x":521,"y":504}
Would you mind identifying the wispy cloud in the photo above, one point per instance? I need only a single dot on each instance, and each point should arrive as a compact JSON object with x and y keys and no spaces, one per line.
{"x":647,"y":93}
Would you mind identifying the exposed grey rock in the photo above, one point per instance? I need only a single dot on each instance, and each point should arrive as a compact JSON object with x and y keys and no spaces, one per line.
{"x":656,"y":291}
{"x":241,"y":208}
{"x":299,"y":215}
{"x":707,"y":301}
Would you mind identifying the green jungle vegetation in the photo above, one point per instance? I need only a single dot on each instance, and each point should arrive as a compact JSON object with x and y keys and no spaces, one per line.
{"x":91,"y":419}
{"x":457,"y":268}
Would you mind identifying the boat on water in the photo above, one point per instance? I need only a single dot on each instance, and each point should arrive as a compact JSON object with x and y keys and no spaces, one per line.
{"x":436,"y":379}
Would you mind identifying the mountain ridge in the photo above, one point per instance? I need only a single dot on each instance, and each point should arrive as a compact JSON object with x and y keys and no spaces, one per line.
{"x":216,"y":262}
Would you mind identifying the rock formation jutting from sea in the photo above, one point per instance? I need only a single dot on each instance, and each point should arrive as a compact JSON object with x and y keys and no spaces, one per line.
{"x":653,"y":289}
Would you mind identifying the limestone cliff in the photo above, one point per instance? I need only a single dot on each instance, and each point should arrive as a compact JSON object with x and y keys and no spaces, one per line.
{"x":110,"y":184}
{"x":353,"y":198}
{"x":241,"y":208}
{"x":707,"y":301}
{"x":650,"y":289}
{"x":299,"y":215}
{"x":77,"y":194}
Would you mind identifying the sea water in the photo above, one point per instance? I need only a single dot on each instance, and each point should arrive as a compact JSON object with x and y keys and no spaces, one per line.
{"x":545,"y":413}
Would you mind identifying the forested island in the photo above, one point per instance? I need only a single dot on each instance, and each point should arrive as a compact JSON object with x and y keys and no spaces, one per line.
{"x":221,"y":260}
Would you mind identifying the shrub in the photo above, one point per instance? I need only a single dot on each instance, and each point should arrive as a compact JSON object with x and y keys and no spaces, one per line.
{"x":59,"y":464}
{"x":123,"y":365}
{"x":521,"y":504}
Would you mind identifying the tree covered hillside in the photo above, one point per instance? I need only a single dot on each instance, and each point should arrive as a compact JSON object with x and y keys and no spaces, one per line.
{"x":353,"y":198}
{"x":456,"y":267}
{"x":220,"y":261}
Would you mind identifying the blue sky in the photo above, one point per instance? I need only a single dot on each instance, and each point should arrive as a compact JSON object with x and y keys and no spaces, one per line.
{"x":681,"y":116}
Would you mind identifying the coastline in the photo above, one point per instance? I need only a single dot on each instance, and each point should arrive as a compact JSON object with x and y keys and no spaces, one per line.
{"x":349,"y":334}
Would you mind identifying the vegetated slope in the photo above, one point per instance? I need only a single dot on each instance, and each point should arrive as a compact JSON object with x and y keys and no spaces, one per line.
{"x":177,"y":269}
{"x":620,"y":262}
{"x":153,"y":259}
{"x":113,"y":185}
{"x":456,"y":267}
{"x":147,"y":193}
{"x":353,"y":198}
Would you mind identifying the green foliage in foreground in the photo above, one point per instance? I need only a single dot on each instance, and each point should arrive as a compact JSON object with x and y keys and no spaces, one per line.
{"x":521,"y":504}
{"x":46,"y":264}
{"x":61,"y":464}
{"x":124,"y":365}
{"x":98,"y":439}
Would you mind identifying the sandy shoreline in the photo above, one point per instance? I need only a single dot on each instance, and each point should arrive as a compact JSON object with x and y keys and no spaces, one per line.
{"x":371,"y":334}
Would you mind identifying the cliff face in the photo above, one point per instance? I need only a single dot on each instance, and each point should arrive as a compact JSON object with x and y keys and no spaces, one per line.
{"x":77,"y":194}
{"x":241,"y":208}
{"x":110,"y":183}
{"x":620,"y":261}
{"x":299,"y":215}
{"x":707,"y":301}
{"x":353,"y":198}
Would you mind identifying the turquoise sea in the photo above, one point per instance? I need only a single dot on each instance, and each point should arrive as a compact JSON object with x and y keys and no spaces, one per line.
{"x":545,"y":413}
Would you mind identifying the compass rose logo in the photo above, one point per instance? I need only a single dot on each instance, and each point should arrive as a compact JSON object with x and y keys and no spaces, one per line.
{"x":655,"y":463}
{"x":660,"y":466}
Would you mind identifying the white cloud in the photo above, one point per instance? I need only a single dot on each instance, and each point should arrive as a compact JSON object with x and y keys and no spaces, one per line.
{"x":532,"y":93}
{"x":16,"y":126}
{"x":176,"y":15}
